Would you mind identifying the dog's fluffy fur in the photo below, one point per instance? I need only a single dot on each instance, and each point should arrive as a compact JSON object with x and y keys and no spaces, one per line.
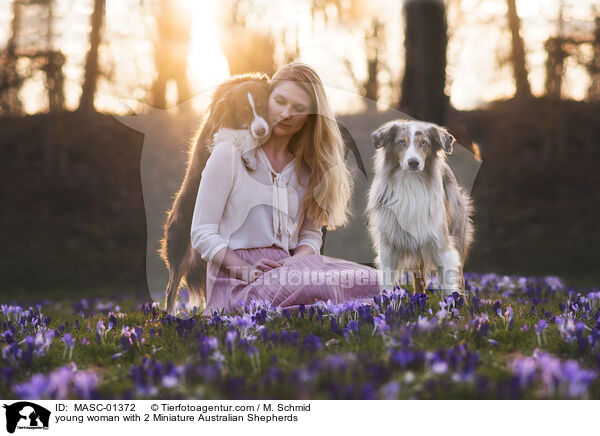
{"x":238,"y":103}
{"x":242,"y":140}
{"x":419,"y":217}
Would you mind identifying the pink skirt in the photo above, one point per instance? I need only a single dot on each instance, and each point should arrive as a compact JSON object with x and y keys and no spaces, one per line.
{"x":304,"y":280}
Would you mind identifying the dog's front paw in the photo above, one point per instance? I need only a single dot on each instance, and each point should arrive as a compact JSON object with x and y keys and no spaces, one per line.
{"x":249,"y":159}
{"x":447,"y":292}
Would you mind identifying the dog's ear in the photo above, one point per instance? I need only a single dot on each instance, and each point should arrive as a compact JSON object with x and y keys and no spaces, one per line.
{"x":384,"y":136}
{"x":222,"y":110}
{"x":446,"y":140}
{"x":221,"y":105}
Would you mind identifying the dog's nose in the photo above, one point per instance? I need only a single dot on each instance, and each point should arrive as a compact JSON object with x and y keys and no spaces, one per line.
{"x":260,"y":131}
{"x":413,"y":164}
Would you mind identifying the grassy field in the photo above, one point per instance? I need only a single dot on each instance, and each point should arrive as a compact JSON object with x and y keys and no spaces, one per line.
{"x":514,"y":338}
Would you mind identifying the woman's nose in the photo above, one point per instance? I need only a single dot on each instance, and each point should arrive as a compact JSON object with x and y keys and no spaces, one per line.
{"x":286,"y":112}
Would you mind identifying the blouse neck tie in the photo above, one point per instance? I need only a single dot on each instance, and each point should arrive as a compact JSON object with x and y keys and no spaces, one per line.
{"x":282,"y":222}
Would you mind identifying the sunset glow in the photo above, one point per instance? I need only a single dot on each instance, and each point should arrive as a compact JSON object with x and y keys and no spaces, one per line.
{"x":479,"y":38}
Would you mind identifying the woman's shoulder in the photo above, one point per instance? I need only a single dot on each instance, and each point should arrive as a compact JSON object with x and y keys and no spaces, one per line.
{"x":239,"y":140}
{"x":226,"y":141}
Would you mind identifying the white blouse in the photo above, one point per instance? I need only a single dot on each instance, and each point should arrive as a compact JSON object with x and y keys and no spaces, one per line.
{"x":241,"y":208}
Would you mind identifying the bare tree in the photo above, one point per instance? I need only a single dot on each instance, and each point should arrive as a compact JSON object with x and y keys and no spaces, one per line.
{"x":425,"y":42}
{"x":92,"y":70}
{"x":247,"y":49}
{"x":10,"y":80}
{"x":374,"y":45}
{"x":518,"y":52}
{"x":39,"y":53}
{"x":594,"y":67}
{"x":171,"y":49}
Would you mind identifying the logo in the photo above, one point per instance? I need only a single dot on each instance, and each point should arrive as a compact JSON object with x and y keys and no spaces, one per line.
{"x":26,"y":415}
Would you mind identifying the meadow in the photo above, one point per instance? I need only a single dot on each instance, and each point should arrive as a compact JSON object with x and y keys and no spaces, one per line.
{"x":513,"y":338}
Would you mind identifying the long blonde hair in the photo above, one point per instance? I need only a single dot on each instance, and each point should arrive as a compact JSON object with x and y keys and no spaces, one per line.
{"x":319,"y":145}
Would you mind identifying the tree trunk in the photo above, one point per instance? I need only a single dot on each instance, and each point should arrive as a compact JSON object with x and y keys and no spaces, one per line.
{"x":518,"y":52}
{"x":594,"y":90}
{"x":10,"y":80}
{"x":86,"y":102}
{"x":171,"y":49}
{"x":425,"y":42}
{"x":374,"y":42}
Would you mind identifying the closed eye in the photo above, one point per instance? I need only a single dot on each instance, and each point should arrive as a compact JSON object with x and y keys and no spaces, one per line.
{"x":300,"y":109}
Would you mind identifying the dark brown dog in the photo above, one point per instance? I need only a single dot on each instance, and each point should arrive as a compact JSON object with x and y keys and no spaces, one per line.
{"x":238,"y":103}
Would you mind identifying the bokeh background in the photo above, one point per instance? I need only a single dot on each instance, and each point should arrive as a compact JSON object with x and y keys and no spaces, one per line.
{"x":517,"y":80}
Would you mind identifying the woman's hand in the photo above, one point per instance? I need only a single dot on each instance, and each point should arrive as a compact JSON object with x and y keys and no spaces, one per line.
{"x":256,"y":270}
{"x":302,"y":250}
{"x":285,"y":260}
{"x":250,"y":275}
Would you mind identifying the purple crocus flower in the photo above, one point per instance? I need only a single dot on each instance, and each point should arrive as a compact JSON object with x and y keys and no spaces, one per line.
{"x":390,"y":391}
{"x":100,"y":328}
{"x":58,"y":380}
{"x":171,"y":375}
{"x":230,"y":339}
{"x":85,"y":383}
{"x":540,"y":329}
{"x":33,"y":389}
{"x":68,"y":340}
{"x":579,"y":379}
{"x":525,"y":369}
{"x":125,"y":342}
{"x":69,"y":344}
{"x":311,"y":343}
{"x":403,"y":357}
{"x":334,"y":326}
{"x":352,"y":327}
{"x":380,"y":324}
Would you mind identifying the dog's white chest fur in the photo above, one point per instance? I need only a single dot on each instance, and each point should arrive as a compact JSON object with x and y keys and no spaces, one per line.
{"x":419,"y":208}
{"x":408,"y":204}
{"x":243,"y":141}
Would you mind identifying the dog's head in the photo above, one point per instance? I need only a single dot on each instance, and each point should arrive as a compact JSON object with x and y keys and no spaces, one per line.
{"x":244,"y":106}
{"x":412,"y":143}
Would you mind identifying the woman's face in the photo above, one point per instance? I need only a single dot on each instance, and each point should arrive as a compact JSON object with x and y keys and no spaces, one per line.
{"x":289,"y":106}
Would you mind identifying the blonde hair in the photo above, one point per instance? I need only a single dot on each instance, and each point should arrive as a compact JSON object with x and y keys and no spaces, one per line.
{"x":319,"y":145}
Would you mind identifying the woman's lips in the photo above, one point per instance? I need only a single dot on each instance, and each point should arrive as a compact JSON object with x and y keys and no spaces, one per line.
{"x":282,"y":124}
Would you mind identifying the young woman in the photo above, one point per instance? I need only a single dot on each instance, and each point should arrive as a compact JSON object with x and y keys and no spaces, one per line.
{"x":260,"y":231}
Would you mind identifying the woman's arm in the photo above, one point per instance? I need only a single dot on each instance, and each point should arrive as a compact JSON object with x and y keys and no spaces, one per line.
{"x":303,"y":250}
{"x":310,"y":238}
{"x":215,"y":187}
{"x":216,"y":184}
{"x":234,"y":264}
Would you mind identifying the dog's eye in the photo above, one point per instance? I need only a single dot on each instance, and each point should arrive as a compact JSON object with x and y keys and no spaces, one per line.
{"x":424,"y":143}
{"x":402,"y":142}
